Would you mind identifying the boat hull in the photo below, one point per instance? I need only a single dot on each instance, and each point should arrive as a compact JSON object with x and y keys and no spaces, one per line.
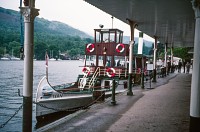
{"x":49,"y":101}
{"x":62,"y":104}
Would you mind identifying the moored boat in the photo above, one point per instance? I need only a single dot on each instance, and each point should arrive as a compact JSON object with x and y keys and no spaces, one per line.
{"x":106,"y":63}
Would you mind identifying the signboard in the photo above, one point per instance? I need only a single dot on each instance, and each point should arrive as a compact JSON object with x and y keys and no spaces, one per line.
{"x":149,"y":67}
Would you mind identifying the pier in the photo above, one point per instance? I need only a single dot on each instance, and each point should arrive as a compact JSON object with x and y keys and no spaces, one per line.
{"x":164,"y":108}
{"x":169,"y":107}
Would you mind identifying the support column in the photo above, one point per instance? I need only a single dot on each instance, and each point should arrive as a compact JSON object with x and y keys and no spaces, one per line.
{"x":130,"y":70}
{"x":172,"y":55}
{"x":140,"y":44}
{"x":165,"y":61}
{"x":29,"y":12}
{"x":154,"y":59}
{"x":195,"y":88}
{"x":140,"y":52}
{"x":130,"y":76}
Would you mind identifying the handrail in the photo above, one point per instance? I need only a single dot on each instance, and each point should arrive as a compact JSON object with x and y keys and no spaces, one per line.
{"x":92,"y":80}
{"x":81,"y":81}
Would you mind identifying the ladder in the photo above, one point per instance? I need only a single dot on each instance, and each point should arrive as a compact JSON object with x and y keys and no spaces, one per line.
{"x":92,"y":81}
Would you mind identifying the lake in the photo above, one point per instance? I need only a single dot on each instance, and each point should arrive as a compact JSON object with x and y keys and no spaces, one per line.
{"x":11,"y":79}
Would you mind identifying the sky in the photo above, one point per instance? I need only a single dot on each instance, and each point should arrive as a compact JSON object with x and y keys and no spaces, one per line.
{"x":76,"y":13}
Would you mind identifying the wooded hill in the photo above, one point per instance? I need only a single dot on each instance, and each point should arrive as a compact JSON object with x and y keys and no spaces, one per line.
{"x":48,"y":35}
{"x":55,"y":36}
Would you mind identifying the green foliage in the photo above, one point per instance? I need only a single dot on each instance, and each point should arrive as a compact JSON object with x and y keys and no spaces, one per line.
{"x":183,"y":53}
{"x":48,"y":35}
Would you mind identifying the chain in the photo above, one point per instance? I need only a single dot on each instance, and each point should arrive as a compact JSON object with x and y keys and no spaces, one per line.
{"x":69,"y":110}
{"x":75,"y":109}
{"x":56,"y":109}
{"x":1,"y":126}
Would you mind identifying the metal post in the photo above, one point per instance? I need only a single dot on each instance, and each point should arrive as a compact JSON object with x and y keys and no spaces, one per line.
{"x":165,"y":62}
{"x":140,"y":51}
{"x":130,"y":76}
{"x":142,"y":79}
{"x":195,"y":91}
{"x":113,"y":93}
{"x":29,"y":12}
{"x":154,"y":60}
{"x":172,"y":49}
{"x":172,"y":70}
{"x":130,"y":69}
{"x":112,"y":21}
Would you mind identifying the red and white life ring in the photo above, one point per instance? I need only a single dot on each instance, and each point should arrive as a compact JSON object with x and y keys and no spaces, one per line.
{"x":138,"y":71}
{"x":110,"y":72}
{"x":120,"y":48}
{"x":86,"y":71}
{"x":90,"y":47}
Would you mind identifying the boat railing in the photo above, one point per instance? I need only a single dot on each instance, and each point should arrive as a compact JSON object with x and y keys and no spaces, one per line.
{"x":94,"y":76}
{"x":101,"y":71}
{"x":119,"y":72}
{"x":82,"y":81}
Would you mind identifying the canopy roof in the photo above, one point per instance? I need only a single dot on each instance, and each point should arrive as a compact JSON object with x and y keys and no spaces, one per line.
{"x":172,"y":21}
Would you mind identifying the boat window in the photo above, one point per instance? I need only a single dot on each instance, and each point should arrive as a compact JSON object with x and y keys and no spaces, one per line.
{"x":98,"y":37}
{"x":112,"y":38}
{"x":118,"y":37}
{"x":108,"y":61}
{"x":106,"y":37}
{"x":90,"y":60}
{"x":100,"y":61}
{"x":120,"y":61}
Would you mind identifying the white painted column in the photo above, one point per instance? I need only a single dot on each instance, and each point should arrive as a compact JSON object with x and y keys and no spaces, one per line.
{"x":154,"y":59}
{"x":130,"y":75}
{"x":172,"y":55}
{"x":140,"y":43}
{"x":165,"y":61}
{"x":195,"y":88}
{"x":29,"y":12}
{"x":130,"y":71}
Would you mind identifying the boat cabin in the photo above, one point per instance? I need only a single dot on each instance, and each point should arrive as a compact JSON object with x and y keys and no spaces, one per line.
{"x":107,"y":51}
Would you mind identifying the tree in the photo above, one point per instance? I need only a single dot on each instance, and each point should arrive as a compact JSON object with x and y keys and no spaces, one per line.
{"x":183,"y":53}
{"x":40,"y":50}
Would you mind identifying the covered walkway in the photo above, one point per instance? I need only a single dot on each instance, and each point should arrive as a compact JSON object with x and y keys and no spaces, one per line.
{"x":165,"y":108}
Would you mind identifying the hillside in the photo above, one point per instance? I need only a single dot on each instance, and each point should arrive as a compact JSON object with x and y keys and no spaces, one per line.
{"x":51,"y":35}
{"x":11,"y":19}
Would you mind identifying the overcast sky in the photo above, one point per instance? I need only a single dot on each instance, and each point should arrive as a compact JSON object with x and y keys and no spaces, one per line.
{"x":76,"y":13}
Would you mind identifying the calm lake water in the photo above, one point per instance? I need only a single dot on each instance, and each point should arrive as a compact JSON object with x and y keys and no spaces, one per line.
{"x":11,"y":79}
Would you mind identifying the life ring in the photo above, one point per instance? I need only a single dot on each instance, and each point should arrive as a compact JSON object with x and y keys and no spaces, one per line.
{"x":138,"y":71}
{"x":120,"y":48}
{"x":86,"y":71}
{"x":110,"y":72}
{"x":90,"y":47}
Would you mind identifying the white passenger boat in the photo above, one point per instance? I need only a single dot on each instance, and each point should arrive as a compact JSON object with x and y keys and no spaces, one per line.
{"x":105,"y":67}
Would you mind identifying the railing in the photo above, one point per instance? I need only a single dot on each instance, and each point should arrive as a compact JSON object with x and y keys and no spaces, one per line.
{"x":82,"y":82}
{"x":93,"y":79}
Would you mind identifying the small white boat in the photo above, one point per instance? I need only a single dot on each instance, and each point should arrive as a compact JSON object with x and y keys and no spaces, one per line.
{"x":14,"y":58}
{"x":5,"y":59}
{"x":52,"y":59}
